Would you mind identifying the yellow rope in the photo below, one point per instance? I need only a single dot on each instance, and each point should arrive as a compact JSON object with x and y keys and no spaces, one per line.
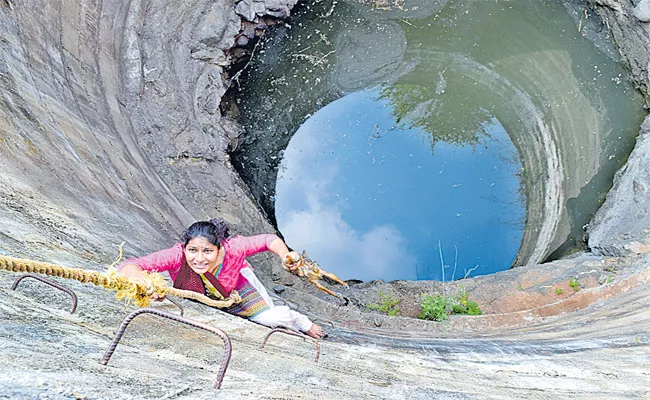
{"x":136,"y":291}
{"x":120,"y":257}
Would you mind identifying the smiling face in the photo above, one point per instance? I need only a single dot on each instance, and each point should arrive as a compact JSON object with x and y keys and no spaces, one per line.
{"x":201,"y":255}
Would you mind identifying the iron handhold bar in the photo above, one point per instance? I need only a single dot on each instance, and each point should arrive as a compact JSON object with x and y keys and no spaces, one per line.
{"x":51,"y":283}
{"x":293,"y":333}
{"x":173,"y":317}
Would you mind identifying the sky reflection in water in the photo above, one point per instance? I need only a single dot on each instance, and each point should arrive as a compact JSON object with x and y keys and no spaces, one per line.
{"x":370,"y":201}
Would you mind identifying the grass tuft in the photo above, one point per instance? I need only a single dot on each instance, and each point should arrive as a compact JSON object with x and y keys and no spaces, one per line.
{"x":437,"y":307}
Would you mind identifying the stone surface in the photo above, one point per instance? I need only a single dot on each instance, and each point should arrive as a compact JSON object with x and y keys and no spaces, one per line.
{"x":596,"y":353}
{"x":218,"y":26}
{"x":622,"y":225}
{"x":642,"y":10}
{"x":630,"y":37}
{"x":110,"y":131}
{"x":251,"y":9}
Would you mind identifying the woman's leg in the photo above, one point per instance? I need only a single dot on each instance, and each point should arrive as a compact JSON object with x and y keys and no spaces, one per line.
{"x":283,"y":316}
{"x":280,"y":316}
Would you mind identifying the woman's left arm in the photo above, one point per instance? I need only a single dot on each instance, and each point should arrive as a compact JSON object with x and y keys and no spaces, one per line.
{"x":270,"y":242}
{"x":278,"y":247}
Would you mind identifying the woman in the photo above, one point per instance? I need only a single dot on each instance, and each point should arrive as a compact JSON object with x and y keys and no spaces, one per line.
{"x":209,"y":261}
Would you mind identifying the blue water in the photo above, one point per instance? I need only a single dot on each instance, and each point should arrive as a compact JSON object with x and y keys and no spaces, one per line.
{"x":370,"y":198}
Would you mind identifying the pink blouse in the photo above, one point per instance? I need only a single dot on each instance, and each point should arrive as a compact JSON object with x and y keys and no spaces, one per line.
{"x":237,"y":249}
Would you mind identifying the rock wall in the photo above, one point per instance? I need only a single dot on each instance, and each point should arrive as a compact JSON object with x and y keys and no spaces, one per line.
{"x":112,"y":130}
{"x":622,"y":225}
{"x":627,"y":21}
{"x":110,"y":127}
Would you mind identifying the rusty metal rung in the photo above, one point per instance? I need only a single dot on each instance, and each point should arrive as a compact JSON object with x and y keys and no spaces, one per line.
{"x":176,"y":303}
{"x":51,"y":283}
{"x":293,"y":333}
{"x":322,"y":321}
{"x":173,"y":317}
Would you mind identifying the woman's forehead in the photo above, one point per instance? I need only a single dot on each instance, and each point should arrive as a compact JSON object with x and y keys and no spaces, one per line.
{"x":200,"y":241}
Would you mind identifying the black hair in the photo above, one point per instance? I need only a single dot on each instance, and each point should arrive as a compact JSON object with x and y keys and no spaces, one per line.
{"x":214,"y":230}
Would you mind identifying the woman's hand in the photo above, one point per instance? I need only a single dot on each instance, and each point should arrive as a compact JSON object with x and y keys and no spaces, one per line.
{"x":291,"y":261}
{"x":134,"y":272}
{"x":235,"y":297}
{"x":157,"y":297}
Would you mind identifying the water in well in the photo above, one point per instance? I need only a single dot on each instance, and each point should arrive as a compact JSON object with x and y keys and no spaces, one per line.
{"x":411,"y":140}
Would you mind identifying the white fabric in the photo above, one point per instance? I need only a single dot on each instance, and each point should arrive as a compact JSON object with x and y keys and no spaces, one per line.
{"x":276,"y":316}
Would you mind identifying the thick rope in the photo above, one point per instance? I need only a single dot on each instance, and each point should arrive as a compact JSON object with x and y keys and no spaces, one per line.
{"x":137,"y":291}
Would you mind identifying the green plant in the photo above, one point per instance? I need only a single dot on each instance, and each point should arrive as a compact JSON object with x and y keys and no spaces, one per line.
{"x":438,"y":307}
{"x":387,"y":304}
{"x":558,"y":291}
{"x":435,"y":308}
{"x":466,"y":306}
{"x":520,"y":287}
{"x":574,"y":284}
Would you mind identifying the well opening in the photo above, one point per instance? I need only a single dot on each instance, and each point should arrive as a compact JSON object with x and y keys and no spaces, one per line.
{"x":447,"y":71}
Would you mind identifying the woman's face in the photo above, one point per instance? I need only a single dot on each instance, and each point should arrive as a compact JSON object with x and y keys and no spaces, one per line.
{"x":201,"y":255}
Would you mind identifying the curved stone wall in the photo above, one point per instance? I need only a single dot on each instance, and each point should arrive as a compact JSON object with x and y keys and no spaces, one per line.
{"x":559,"y":111}
{"x":621,"y":226}
{"x":110,"y":130}
{"x":110,"y":124}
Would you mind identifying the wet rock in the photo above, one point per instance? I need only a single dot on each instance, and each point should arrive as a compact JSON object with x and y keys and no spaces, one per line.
{"x":620,"y":228}
{"x":234,"y":133}
{"x":251,"y":29}
{"x":207,"y":97}
{"x":210,"y":54}
{"x":219,"y":26}
{"x":642,"y":10}
{"x":241,"y":41}
{"x":250,"y":9}
{"x":613,"y":4}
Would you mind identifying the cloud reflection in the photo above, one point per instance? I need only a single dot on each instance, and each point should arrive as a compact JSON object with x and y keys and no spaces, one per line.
{"x":310,"y":217}
{"x":348,"y":253}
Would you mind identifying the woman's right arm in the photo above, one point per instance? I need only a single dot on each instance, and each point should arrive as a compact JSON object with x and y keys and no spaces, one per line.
{"x":169,"y":260}
{"x":131,"y":271}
